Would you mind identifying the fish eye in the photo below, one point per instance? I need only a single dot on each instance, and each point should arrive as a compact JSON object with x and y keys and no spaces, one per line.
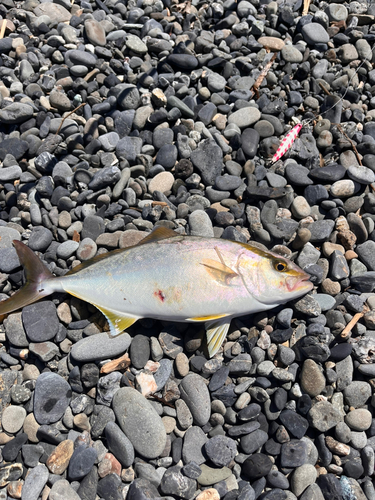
{"x":280,"y":266}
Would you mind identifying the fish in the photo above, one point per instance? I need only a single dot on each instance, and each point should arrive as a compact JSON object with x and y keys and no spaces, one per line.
{"x":173,"y":277}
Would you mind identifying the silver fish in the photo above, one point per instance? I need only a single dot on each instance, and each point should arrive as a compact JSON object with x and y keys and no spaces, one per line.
{"x":171,"y":277}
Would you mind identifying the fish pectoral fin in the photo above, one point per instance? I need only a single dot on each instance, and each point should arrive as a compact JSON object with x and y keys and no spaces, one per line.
{"x":219,"y":271}
{"x":118,"y":322}
{"x":216,"y":331}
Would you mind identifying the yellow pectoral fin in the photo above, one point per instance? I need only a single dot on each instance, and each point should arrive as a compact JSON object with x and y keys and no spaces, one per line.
{"x":216,"y":332}
{"x":218,"y":271}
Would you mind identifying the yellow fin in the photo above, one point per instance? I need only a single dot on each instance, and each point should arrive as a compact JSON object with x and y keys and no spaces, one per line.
{"x":208,"y":318}
{"x":216,"y":331}
{"x":118,"y":322}
{"x":219,"y":271}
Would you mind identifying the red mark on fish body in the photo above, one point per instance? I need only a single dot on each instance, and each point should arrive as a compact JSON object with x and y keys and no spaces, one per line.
{"x":287,"y":142}
{"x":160,"y":295}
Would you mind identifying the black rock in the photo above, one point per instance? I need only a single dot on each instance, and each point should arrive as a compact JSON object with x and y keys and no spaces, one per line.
{"x":175,"y":483}
{"x":51,"y":397}
{"x":208,"y":160}
{"x":110,"y":487}
{"x":88,"y":485}
{"x":257,"y":466}
{"x":140,"y":351}
{"x":341,"y":351}
{"x":81,"y":462}
{"x":293,"y":454}
{"x":221,"y":450}
{"x":330,"y":486}
{"x":294,"y":423}
{"x":140,"y":489}
{"x":13,"y":447}
{"x":34,"y":321}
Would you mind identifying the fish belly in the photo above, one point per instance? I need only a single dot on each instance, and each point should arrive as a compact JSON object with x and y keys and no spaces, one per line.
{"x":166,"y":280}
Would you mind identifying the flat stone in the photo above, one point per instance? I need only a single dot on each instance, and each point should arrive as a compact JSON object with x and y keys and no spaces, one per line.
{"x":140,"y":422}
{"x":323,"y":416}
{"x":312,"y":379}
{"x":195,"y":394}
{"x":100,"y":346}
{"x":51,"y":397}
{"x":35,"y":482}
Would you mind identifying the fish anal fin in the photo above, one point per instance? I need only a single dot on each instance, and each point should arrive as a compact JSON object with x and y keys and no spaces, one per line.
{"x":219,"y":271}
{"x":118,"y":322}
{"x":216,"y":331}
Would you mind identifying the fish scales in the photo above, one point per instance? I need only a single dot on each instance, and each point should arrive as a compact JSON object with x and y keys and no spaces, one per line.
{"x":171,"y":277}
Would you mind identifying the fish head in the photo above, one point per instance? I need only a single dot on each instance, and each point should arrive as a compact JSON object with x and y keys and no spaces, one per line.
{"x":272,"y":279}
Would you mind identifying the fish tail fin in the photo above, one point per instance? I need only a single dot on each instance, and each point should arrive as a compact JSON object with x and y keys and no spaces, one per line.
{"x":36,"y":274}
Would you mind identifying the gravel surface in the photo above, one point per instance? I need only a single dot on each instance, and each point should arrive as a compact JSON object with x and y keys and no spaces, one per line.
{"x":119,"y":116}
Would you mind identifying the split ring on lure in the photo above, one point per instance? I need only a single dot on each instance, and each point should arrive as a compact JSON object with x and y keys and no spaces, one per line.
{"x":287,"y":142}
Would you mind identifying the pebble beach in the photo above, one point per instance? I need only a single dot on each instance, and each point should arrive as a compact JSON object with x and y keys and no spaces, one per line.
{"x":119,"y":116}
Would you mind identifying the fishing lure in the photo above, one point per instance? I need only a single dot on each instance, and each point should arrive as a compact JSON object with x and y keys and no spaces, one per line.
{"x":287,"y":142}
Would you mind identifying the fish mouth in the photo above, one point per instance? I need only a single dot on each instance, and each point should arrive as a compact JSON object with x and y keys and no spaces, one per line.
{"x":299,"y":284}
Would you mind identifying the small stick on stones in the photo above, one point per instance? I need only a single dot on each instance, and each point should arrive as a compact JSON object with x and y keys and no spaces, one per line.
{"x":349,"y":327}
{"x":65,"y":117}
{"x":3,"y":26}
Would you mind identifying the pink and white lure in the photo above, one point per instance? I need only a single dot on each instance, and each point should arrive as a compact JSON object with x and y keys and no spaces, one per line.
{"x":287,"y":142}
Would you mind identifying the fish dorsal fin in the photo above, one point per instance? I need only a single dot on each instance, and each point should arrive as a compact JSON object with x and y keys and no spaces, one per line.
{"x":93,"y":260}
{"x":118,"y":322}
{"x":216,"y":331}
{"x":158,"y":234}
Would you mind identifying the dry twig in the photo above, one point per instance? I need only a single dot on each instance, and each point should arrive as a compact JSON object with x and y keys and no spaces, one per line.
{"x":65,"y":117}
{"x":349,"y":327}
{"x":351,"y":142}
{"x":306,"y":6}
{"x":263,"y":74}
{"x":3,"y":26}
{"x":116,"y":364}
{"x":325,"y":90}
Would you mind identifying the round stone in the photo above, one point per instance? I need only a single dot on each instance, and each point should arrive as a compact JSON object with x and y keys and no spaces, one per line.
{"x":51,"y":398}
{"x":312,"y":379}
{"x":13,"y":418}
{"x":161,"y":182}
{"x":257,"y":466}
{"x":359,"y":420}
{"x":221,"y":450}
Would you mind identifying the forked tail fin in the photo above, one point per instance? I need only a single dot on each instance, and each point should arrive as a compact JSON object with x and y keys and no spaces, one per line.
{"x":36,"y":273}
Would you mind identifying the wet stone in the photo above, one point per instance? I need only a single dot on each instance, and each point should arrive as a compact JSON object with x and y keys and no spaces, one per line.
{"x":51,"y":398}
